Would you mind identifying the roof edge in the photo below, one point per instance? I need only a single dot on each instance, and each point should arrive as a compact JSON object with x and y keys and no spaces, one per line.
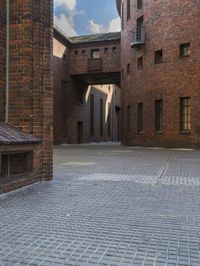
{"x":69,"y":40}
{"x":14,"y":136}
{"x":94,"y":40}
{"x":59,"y":32}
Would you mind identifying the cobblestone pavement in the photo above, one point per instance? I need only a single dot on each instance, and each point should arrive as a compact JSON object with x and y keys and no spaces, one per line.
{"x":108,"y":205}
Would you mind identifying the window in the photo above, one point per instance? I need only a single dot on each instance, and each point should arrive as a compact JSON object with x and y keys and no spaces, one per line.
{"x":122,"y":15}
{"x":101,"y":117}
{"x":184,"y":49}
{"x":83,"y":52}
{"x":140,"y":62}
{"x":114,"y":49}
{"x":128,"y":122}
{"x":140,"y":117}
{"x":122,"y":73}
{"x":95,"y":53}
{"x":91,"y":114}
{"x":106,"y":50}
{"x":14,"y":164}
{"x":80,"y":96}
{"x":158,"y":115}
{"x":128,"y":9}
{"x":128,"y":69}
{"x":76,"y":52}
{"x":139,"y":4}
{"x":185,"y":114}
{"x":140,"y":29}
{"x":158,"y":56}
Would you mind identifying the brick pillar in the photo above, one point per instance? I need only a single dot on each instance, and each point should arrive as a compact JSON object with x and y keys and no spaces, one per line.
{"x":31,"y":84}
{"x":48,"y":89}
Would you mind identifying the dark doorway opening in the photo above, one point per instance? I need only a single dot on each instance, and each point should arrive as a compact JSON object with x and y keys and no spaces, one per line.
{"x":118,"y":122}
{"x":80,"y":132}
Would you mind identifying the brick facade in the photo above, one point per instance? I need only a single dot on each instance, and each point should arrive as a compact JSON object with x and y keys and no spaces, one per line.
{"x":167,"y":26}
{"x":72,"y":77}
{"x":110,"y":58}
{"x":31,"y":74}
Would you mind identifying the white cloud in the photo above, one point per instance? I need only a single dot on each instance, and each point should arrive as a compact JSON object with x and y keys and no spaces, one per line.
{"x":66,"y":24}
{"x":70,"y":4}
{"x":95,"y":28}
{"x":113,"y":25}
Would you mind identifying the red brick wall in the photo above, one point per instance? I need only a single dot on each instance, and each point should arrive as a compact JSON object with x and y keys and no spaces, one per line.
{"x":168,"y":24}
{"x":111,"y":60}
{"x":31,"y":73}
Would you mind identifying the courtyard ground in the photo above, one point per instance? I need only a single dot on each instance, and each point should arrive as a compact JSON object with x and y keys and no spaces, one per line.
{"x":107,"y":205}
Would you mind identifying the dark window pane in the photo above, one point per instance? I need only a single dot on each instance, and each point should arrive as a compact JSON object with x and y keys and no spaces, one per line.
{"x":128,"y":124}
{"x":128,"y":10}
{"x":140,"y":116}
{"x":139,"y":4}
{"x":185,"y":49}
{"x":140,"y":63}
{"x":158,"y":56}
{"x":159,"y":115}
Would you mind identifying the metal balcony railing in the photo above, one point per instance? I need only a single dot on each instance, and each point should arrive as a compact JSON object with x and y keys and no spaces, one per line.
{"x":94,"y":64}
{"x":138,"y":36}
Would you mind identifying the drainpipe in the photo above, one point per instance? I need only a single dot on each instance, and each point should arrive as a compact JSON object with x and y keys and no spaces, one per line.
{"x":7,"y":58}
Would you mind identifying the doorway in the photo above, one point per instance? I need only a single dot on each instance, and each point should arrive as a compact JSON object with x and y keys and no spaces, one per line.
{"x":80,"y":132}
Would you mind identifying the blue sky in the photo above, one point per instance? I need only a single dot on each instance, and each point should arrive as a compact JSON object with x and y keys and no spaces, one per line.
{"x":79,"y":17}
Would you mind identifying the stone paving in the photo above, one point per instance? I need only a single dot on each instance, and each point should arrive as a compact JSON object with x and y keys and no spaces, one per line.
{"x":108,"y":205}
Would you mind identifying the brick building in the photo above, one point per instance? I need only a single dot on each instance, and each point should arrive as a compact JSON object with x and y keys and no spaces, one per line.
{"x":86,"y":88}
{"x":26,"y":91}
{"x":160,"y":68}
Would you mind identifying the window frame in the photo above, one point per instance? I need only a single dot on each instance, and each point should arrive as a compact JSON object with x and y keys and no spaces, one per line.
{"x":122,"y":15}
{"x":140,"y":63}
{"x":122,"y":73}
{"x":158,"y":56}
{"x":93,"y":51}
{"x":158,"y":116}
{"x":128,"y":10}
{"x":139,"y":4}
{"x":140,"y":117}
{"x":128,"y":69}
{"x":182,"y":47}
{"x":185,"y":114}
{"x":128,"y":118}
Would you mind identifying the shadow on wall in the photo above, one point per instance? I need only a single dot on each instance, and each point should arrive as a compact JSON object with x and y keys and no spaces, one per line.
{"x":95,"y":116}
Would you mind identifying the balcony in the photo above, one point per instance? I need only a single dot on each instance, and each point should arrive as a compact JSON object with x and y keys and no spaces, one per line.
{"x":94,"y":64}
{"x":138,"y":37}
